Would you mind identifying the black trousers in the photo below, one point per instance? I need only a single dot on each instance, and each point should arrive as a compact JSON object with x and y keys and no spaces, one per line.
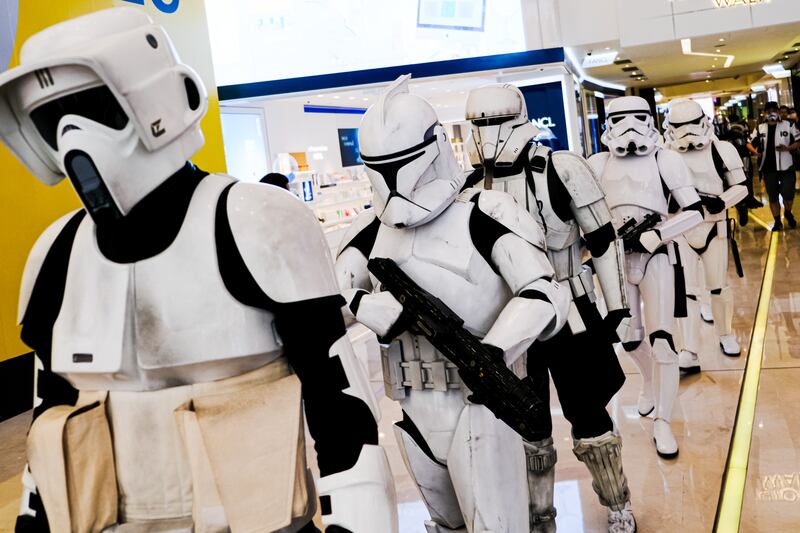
{"x":585,"y":371}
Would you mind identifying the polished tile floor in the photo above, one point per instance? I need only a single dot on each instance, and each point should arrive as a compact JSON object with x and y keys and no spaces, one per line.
{"x":677,"y":495}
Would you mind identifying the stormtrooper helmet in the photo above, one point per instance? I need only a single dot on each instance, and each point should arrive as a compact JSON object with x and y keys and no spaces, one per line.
{"x":630,"y":128}
{"x":105,"y":100}
{"x":688,"y":127}
{"x":500,"y":125}
{"x":408,"y":158}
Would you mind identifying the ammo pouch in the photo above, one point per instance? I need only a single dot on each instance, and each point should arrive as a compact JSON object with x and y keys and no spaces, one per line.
{"x":76,"y":480}
{"x":246,"y":451}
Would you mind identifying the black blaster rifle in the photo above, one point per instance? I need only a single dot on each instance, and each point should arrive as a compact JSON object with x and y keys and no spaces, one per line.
{"x":631,"y":231}
{"x":483,"y":371}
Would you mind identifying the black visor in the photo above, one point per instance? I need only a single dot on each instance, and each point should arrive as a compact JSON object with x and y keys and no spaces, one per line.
{"x":97,"y":104}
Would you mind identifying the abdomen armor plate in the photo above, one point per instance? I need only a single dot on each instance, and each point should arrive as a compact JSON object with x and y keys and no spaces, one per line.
{"x":633,"y":181}
{"x":161,"y":322}
{"x":441,"y":258}
{"x":704,"y":174}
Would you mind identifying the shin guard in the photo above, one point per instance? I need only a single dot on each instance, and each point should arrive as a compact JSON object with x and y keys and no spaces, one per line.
{"x":540,"y":458}
{"x":603,"y":457}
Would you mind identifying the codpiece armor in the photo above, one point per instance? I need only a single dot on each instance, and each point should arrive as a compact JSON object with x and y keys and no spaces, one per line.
{"x":172,"y":361}
{"x":718,"y":175}
{"x":484,"y":257}
{"x":639,"y":178}
{"x":561,"y":192}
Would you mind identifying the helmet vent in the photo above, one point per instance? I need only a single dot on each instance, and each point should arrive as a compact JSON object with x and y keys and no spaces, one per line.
{"x":151,"y":40}
{"x":192,"y":94}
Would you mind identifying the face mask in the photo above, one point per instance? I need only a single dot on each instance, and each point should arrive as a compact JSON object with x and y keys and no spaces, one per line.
{"x":773,"y":116}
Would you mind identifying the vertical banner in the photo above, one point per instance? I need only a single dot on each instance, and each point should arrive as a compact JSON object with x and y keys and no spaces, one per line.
{"x":27,"y":206}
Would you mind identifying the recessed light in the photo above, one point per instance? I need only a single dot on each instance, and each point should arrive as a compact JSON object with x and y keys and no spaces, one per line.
{"x":608,"y":48}
{"x":718,"y":50}
{"x":336,"y":96}
{"x":320,"y":96}
{"x":722,"y":39}
{"x":708,"y":81}
{"x":365,"y":99}
{"x":351,"y":97}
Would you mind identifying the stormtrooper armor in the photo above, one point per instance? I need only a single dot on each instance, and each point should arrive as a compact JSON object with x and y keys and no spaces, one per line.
{"x":166,"y":321}
{"x":484,"y":257}
{"x":640,"y":178}
{"x":561,"y":192}
{"x":718,"y":175}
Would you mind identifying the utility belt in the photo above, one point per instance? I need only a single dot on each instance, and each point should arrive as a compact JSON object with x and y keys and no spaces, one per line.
{"x":404,"y":369}
{"x":218,"y":455}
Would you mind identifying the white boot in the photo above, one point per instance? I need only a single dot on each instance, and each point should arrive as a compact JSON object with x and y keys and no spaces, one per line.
{"x":666,"y":377}
{"x":688,"y":362}
{"x":706,"y":314}
{"x":621,"y":521}
{"x":644,"y":361}
{"x":722,"y":306}
{"x":689,"y":341}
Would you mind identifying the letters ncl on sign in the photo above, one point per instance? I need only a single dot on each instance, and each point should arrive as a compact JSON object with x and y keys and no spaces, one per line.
{"x":731,"y":3}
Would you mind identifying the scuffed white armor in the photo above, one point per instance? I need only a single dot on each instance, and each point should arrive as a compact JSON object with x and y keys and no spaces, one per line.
{"x":470,"y":466}
{"x":635,"y":182}
{"x":689,"y":133}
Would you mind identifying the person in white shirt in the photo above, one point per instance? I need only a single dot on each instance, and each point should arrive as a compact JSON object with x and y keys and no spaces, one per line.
{"x":777,"y":139}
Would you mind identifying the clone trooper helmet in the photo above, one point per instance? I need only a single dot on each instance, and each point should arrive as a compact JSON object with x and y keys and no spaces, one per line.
{"x":105,"y":100}
{"x":688,"y":127}
{"x":500,"y":125}
{"x":409,"y":160}
{"x":630,"y":128}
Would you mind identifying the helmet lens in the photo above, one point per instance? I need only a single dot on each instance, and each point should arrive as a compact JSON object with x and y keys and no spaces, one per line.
{"x":97,"y":104}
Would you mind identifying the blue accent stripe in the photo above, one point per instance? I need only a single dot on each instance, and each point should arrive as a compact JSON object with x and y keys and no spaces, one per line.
{"x":334,"y":109}
{"x":381,"y":75}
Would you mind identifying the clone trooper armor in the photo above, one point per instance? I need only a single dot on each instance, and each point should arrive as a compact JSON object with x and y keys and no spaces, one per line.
{"x":638,"y":179}
{"x":484,"y":257}
{"x":561,"y":192}
{"x":718,"y":175}
{"x":165,"y":322}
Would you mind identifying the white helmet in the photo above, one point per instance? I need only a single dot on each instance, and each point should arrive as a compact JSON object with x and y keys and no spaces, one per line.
{"x":688,"y":127}
{"x":104,"y":99}
{"x":500,"y":125}
{"x":630,"y":128}
{"x":408,"y":157}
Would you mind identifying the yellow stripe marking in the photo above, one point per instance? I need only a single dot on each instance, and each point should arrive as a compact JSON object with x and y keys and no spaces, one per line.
{"x":732,"y":498}
{"x":760,"y":222}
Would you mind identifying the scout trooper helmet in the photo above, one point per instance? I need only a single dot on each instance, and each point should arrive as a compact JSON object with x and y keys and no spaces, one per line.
{"x":408,"y":158}
{"x":630,"y":128}
{"x":500,"y":125}
{"x":688,"y":127}
{"x":105,"y":100}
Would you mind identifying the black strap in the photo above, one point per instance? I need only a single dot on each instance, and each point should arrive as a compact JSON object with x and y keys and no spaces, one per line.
{"x":539,"y":164}
{"x":719,"y":165}
{"x":737,"y":260}
{"x":681,"y":310}
{"x":712,"y":234}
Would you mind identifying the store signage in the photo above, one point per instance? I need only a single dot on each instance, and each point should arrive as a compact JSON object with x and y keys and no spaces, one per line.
{"x":544,"y":122}
{"x":731,"y":3}
{"x":545,"y":104}
{"x":601,"y":59}
{"x":165,"y":6}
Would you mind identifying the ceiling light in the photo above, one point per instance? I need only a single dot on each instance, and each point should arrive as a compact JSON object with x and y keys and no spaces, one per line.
{"x":774,"y":67}
{"x":708,"y":81}
{"x":718,"y":50}
{"x":351,"y":97}
{"x":782,"y":74}
{"x":365,"y":99}
{"x":320,"y":96}
{"x":336,"y":96}
{"x":758,"y":89}
{"x":686,"y":47}
{"x":721,"y":39}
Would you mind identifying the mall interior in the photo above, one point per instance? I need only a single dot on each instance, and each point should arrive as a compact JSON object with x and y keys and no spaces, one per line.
{"x":291,"y":85}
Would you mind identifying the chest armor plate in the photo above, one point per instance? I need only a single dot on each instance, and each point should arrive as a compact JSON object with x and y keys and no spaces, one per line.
{"x":164,"y":321}
{"x":559,"y":234}
{"x":633,"y":181}
{"x":704,"y":174}
{"x":441,"y":258}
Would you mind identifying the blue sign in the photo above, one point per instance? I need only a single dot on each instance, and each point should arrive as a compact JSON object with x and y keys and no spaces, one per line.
{"x":546,"y":110}
{"x":348,"y":147}
{"x":168,"y":6}
{"x":308,"y":191}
